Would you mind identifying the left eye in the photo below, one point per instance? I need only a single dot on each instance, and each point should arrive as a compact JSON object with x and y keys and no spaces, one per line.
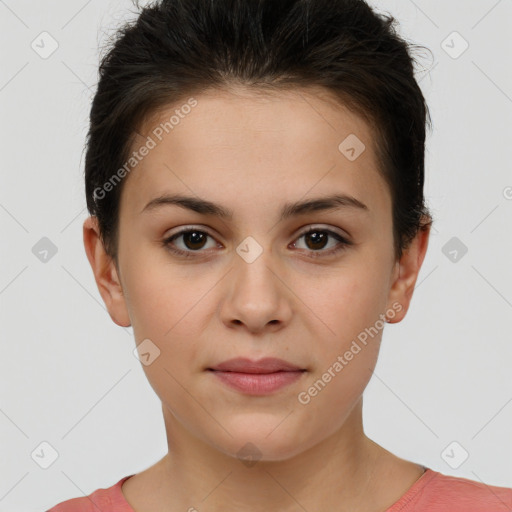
{"x":315,"y":238}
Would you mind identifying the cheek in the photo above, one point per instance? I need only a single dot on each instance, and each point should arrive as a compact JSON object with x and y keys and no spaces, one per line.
{"x":349,"y":301}
{"x":347,"y":351}
{"x":166,"y":307}
{"x":165,"y":304}
{"x":164,"y":313}
{"x":349,"y":308}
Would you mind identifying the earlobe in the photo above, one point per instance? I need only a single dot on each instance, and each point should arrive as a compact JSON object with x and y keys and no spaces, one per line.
{"x":105,"y":273}
{"x":405,"y":275}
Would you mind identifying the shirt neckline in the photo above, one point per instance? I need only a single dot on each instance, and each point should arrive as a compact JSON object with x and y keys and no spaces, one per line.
{"x":412,"y":492}
{"x":119,"y":499}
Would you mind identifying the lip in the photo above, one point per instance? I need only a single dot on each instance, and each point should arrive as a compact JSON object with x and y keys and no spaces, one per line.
{"x":257,"y":377}
{"x":265,"y":365}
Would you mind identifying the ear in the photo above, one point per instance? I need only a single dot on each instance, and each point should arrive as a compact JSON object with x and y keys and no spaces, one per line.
{"x":105,"y":273}
{"x":405,"y":275}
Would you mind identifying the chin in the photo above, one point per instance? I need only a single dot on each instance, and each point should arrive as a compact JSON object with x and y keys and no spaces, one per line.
{"x":259,"y":443}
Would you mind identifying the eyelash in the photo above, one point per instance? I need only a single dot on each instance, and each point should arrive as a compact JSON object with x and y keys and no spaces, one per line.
{"x":344,"y":243}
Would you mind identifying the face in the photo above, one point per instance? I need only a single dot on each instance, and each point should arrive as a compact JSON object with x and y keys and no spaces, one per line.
{"x":253,"y":282}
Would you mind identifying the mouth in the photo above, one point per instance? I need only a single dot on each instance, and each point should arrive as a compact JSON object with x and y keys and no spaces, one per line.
{"x":253,"y":372}
{"x":262,"y":366}
{"x":257,"y":383}
{"x":257,"y":377}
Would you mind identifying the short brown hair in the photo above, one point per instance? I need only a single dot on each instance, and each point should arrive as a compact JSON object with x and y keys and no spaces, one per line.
{"x":177,"y":48}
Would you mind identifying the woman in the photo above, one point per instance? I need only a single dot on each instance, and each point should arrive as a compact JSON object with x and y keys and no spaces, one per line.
{"x":254,"y":175}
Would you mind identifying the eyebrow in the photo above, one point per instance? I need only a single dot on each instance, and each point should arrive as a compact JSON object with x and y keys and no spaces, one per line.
{"x":327,"y":203}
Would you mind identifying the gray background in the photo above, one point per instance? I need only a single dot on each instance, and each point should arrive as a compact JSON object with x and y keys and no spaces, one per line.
{"x":69,"y":377}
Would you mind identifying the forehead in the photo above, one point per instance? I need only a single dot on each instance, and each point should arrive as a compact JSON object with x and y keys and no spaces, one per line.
{"x":239,"y":112}
{"x":246,"y":143}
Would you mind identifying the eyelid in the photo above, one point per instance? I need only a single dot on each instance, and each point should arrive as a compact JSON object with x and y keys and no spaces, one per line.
{"x":312,"y":227}
{"x":300,"y":232}
{"x":189,"y":227}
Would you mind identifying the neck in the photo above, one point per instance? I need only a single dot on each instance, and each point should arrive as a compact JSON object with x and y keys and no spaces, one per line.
{"x":346,"y":471}
{"x":195,"y":475}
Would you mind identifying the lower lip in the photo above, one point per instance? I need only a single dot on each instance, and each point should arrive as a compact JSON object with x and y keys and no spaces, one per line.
{"x":258,"y":383}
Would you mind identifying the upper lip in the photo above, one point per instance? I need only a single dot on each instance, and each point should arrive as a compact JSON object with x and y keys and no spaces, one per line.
{"x":265,"y":365}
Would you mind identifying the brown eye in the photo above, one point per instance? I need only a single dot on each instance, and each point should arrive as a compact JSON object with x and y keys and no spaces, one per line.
{"x":193,"y":240}
{"x":316,"y":239}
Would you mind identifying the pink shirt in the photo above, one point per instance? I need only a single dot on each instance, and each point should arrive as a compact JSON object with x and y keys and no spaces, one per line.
{"x":432,"y":492}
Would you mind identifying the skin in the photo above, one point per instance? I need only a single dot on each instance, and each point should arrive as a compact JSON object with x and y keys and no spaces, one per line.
{"x":252,"y":153}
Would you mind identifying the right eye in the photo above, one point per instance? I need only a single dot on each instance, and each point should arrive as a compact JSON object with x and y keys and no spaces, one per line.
{"x":193,"y":241}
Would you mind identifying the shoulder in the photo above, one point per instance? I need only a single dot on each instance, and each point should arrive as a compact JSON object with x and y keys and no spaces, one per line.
{"x":443,"y":493}
{"x":108,"y":499}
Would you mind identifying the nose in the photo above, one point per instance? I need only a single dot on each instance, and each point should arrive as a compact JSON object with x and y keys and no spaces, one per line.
{"x":257,"y":296}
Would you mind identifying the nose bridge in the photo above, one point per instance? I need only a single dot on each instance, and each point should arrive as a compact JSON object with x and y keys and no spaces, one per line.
{"x":253,"y":266}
